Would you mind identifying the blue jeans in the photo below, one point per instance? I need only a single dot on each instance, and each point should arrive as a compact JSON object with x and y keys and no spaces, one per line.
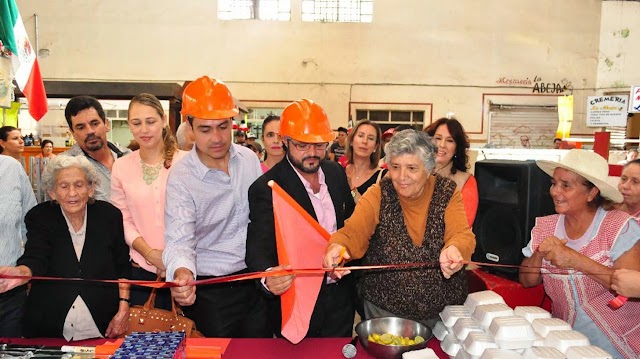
{"x":12,"y":304}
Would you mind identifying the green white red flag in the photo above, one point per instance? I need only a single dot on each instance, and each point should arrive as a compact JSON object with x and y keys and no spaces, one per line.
{"x":14,"y":43}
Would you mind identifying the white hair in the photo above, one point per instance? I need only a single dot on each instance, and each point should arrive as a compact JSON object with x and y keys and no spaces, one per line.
{"x":62,"y":162}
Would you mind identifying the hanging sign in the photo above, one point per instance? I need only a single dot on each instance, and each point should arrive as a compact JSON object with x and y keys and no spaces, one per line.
{"x":634,"y":104}
{"x":565,"y":116}
{"x":604,"y":111}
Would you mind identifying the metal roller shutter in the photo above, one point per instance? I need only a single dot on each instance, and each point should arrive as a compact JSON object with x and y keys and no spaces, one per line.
{"x":522,"y":126}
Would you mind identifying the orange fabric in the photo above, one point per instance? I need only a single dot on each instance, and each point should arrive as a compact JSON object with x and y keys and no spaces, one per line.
{"x":359,"y":228}
{"x":300,"y":242}
{"x":470,"y":199}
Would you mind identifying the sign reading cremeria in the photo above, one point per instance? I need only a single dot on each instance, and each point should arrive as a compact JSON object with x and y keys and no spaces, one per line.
{"x":603,"y":111}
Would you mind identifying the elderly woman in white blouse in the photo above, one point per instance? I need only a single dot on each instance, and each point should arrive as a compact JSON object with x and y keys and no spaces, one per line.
{"x":73,"y":236}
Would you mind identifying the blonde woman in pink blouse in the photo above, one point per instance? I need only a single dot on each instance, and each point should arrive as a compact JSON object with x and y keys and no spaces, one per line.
{"x":138,"y":183}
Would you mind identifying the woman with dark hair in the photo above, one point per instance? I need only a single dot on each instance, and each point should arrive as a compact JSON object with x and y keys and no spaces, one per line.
{"x":452,"y":161}
{"x":273,"y":151}
{"x":363,"y":155}
{"x":11,"y":142}
{"x":46,"y":149}
{"x":46,"y":153}
{"x":138,"y":180}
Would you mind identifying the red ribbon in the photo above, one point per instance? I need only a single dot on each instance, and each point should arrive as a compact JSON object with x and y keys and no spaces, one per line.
{"x":274,"y":273}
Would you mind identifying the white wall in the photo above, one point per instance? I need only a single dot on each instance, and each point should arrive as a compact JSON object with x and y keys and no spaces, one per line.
{"x":447,"y":54}
{"x":619,"y":58}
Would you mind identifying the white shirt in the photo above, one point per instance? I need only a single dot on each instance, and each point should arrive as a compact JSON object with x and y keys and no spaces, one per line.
{"x":79,"y":323}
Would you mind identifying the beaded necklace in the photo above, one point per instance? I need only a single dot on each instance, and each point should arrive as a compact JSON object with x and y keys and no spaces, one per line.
{"x":150,"y":173}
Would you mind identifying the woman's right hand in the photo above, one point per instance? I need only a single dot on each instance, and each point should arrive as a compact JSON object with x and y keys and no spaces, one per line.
{"x":334,"y":256}
{"x":155,"y":258}
{"x":7,"y":284}
{"x":626,"y":283}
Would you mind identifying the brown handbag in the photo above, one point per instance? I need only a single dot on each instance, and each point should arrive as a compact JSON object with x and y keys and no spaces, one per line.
{"x":148,"y":318}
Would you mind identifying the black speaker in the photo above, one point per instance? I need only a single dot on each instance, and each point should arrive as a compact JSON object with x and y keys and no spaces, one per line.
{"x":511,"y":195}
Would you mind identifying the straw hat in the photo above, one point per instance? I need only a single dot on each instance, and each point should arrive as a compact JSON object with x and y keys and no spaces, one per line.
{"x":589,"y":165}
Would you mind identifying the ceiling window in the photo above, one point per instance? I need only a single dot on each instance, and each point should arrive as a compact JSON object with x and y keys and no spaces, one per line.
{"x":337,"y":10}
{"x":279,"y":10}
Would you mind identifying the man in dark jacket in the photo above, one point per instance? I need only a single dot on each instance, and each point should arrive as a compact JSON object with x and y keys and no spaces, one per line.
{"x":321,"y":188}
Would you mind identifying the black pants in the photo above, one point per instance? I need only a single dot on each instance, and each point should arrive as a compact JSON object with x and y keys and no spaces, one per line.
{"x":229,"y":310}
{"x":12,"y":305}
{"x":139,"y":294}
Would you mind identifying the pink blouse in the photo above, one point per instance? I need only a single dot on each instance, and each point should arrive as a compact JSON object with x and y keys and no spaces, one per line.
{"x":141,"y":204}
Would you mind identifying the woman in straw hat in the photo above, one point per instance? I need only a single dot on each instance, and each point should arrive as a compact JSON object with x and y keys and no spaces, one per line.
{"x":575,"y":252}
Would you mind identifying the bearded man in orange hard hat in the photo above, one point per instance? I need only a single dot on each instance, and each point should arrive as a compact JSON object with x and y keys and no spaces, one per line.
{"x":206,"y":216}
{"x":320,"y":186}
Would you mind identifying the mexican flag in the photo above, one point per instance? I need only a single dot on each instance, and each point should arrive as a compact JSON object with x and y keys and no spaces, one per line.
{"x":26,"y":71}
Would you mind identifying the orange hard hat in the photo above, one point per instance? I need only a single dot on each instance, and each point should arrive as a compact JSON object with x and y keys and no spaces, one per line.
{"x":305,"y":121}
{"x":208,"y":99}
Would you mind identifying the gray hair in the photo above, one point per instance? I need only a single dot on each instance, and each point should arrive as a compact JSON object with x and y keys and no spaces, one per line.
{"x":181,"y":135}
{"x":412,"y":142}
{"x":62,"y":162}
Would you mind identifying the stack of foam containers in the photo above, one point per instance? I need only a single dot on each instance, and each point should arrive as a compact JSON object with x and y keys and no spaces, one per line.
{"x":486,"y":328}
{"x":450,"y":315}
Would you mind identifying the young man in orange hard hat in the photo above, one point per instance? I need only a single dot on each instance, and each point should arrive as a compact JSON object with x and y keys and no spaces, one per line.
{"x":320,"y":186}
{"x":206,"y":216}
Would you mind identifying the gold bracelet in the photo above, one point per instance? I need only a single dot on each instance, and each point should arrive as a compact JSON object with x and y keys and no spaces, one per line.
{"x":149,"y":251}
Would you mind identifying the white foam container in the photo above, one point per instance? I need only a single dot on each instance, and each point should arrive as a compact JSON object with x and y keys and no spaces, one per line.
{"x":564,"y":339}
{"x":462,"y":354}
{"x":512,"y":332}
{"x":450,"y":345}
{"x":463,"y":327}
{"x":531,"y":313}
{"x":493,"y":353}
{"x":451,"y":313}
{"x":425,"y":353}
{"x":546,"y":325}
{"x":483,"y":297}
{"x":485,"y":313}
{"x":539,"y":341}
{"x":587,"y":352}
{"x":440,"y":331}
{"x":542,"y":353}
{"x":477,"y":342}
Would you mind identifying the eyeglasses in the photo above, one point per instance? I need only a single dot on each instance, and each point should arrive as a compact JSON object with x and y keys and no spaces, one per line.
{"x":302,"y":146}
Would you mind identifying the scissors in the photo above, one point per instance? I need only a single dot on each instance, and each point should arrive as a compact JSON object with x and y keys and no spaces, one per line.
{"x":340,"y":260}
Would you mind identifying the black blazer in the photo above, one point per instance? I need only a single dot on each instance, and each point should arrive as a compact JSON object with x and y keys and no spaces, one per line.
{"x":261,"y":236}
{"x":49,"y":252}
{"x":333,"y":313}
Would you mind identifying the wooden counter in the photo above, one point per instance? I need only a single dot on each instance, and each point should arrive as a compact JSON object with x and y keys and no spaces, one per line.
{"x":34,"y":151}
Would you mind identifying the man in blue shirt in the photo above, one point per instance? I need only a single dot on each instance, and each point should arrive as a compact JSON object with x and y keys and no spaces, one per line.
{"x":17,"y":200}
{"x":206,"y":217}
